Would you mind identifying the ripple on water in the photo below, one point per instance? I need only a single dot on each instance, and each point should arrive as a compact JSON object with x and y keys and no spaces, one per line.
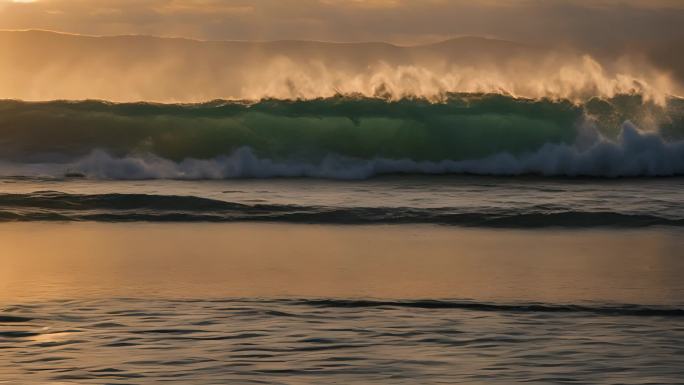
{"x":312,"y":341}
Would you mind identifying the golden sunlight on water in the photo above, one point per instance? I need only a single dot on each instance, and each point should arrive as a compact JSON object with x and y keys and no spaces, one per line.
{"x":77,"y":260}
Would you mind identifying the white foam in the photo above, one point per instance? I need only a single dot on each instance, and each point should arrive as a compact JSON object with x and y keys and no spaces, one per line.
{"x":634,"y":153}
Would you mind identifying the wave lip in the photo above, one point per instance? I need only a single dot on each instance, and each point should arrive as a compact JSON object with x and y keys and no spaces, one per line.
{"x":56,"y":206}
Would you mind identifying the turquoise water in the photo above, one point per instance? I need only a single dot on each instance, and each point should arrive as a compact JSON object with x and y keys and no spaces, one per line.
{"x":343,"y":138}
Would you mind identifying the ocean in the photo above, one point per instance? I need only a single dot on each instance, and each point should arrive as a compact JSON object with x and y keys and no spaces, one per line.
{"x":476,"y":239}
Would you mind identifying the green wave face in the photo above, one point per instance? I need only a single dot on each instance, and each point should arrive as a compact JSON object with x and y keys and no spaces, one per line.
{"x":461,"y":127}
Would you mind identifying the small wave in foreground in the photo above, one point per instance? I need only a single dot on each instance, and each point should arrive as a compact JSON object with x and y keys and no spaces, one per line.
{"x":56,"y":206}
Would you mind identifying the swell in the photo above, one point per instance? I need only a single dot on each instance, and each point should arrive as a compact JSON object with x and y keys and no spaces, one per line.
{"x":292,"y":307}
{"x":612,"y":310}
{"x":343,"y":137}
{"x":56,"y":206}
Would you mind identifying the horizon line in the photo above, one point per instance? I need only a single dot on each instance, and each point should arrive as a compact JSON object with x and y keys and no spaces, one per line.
{"x":170,"y":37}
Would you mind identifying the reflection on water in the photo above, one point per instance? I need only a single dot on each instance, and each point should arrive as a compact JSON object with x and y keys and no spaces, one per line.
{"x":133,"y":341}
{"x":85,"y":303}
{"x":51,"y":261}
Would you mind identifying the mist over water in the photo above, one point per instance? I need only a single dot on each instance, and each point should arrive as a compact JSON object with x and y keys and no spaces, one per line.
{"x":48,"y":66}
{"x":329,"y":110}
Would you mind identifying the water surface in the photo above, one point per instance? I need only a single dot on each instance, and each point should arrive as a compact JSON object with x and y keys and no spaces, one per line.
{"x":206,"y":303}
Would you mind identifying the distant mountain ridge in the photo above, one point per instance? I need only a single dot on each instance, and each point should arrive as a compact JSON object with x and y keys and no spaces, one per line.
{"x":57,"y":34}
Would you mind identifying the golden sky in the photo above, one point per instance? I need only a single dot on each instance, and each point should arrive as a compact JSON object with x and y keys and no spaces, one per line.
{"x":584,"y":22}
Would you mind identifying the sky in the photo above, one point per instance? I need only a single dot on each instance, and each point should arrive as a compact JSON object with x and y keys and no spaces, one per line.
{"x":591,"y":24}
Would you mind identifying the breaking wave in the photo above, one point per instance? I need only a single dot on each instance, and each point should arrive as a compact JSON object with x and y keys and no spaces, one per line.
{"x":343,"y":138}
